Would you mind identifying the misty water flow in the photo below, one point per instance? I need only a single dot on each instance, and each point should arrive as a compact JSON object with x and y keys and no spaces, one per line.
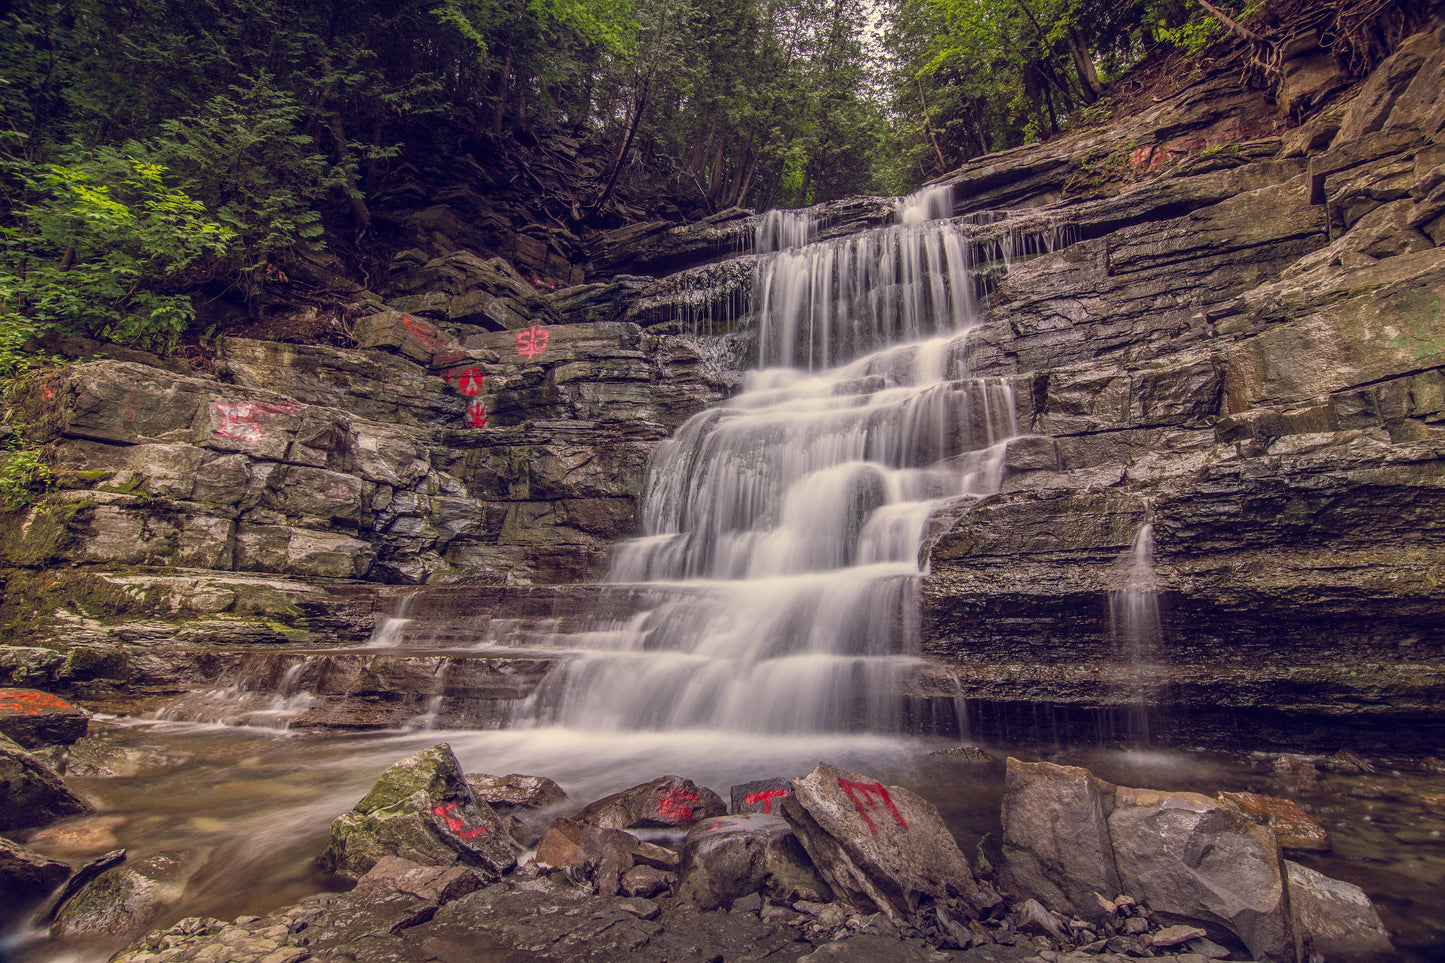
{"x":1137,"y":632}
{"x":797,"y":512}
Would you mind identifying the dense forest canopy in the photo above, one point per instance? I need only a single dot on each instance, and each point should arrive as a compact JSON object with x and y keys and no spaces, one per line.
{"x":154,"y":148}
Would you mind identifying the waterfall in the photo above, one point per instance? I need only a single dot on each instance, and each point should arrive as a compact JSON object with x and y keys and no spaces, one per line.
{"x":1134,"y":607}
{"x":790,"y":522}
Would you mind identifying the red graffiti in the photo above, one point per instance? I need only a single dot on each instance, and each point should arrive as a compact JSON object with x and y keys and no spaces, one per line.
{"x":477,"y":415}
{"x":449,"y":357}
{"x":27,"y":703}
{"x":868,"y":790}
{"x":467,"y":381}
{"x":456,"y":824}
{"x":674,"y":806}
{"x":537,"y":282}
{"x":532,"y":342}
{"x":430,"y":337}
{"x":765,"y":797}
{"x":242,"y":422}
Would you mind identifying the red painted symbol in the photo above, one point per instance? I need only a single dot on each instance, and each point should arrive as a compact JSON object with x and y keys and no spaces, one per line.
{"x":31,"y":703}
{"x":532,"y":342}
{"x":674,"y":806}
{"x":456,"y":824}
{"x":868,"y":790}
{"x":765,"y":797}
{"x":477,"y":414}
{"x":448,"y":357}
{"x":430,"y":337}
{"x":467,"y":381}
{"x":243,"y":422}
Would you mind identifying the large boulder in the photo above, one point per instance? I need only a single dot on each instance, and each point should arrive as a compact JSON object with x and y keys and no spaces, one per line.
{"x":421,"y":809}
{"x":1192,"y":860}
{"x":36,"y":719}
{"x":732,"y":856}
{"x":879,"y":846}
{"x":1335,"y":920}
{"x":31,"y":793}
{"x":668,"y":802}
{"x":1056,"y":844}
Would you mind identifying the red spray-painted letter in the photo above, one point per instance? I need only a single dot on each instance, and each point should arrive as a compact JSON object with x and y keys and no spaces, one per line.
{"x":865,"y":792}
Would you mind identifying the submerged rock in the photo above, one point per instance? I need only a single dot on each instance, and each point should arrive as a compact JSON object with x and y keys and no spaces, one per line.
{"x":31,"y":793}
{"x":125,"y":899}
{"x":421,"y":809}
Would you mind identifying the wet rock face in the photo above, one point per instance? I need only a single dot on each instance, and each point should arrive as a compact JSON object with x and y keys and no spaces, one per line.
{"x":35,"y":719}
{"x":434,"y":452}
{"x":1241,"y":356}
{"x":421,"y":809}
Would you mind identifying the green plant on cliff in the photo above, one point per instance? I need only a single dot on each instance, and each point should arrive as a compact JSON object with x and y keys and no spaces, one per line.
{"x":1425,"y":337}
{"x":23,"y":473}
{"x":104,"y":247}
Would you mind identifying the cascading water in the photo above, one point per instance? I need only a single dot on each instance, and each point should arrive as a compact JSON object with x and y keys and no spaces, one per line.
{"x":791,"y":520}
{"x":1137,"y":631}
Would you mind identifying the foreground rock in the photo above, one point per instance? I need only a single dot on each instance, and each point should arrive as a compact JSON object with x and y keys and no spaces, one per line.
{"x":123,"y":900}
{"x":421,"y":809}
{"x":729,"y":857}
{"x":880,"y":846}
{"x":31,"y":793}
{"x":668,"y":802}
{"x":1073,"y":842}
{"x":35,"y":719}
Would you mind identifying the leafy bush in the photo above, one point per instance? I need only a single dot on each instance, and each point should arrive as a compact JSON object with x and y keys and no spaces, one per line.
{"x":102,"y":247}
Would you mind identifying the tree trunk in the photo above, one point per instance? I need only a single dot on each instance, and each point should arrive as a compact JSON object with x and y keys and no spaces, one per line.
{"x":639,"y":105}
{"x":1084,"y":64}
{"x":499,"y":110}
{"x":928,"y":126}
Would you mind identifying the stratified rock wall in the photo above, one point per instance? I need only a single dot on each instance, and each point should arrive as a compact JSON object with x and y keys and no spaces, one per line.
{"x":1257,"y":376}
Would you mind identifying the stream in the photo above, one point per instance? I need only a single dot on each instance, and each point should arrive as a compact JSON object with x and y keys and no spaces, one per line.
{"x":251,"y":806}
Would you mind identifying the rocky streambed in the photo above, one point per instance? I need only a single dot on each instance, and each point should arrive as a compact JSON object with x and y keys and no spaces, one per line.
{"x":223,"y":827}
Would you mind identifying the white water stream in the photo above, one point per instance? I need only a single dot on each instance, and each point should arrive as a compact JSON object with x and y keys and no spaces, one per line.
{"x":797,"y":512}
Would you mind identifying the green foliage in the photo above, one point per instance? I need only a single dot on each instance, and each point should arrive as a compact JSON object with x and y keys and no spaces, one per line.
{"x":1191,"y":37}
{"x":243,"y":158}
{"x":103,"y":248}
{"x":23,"y":473}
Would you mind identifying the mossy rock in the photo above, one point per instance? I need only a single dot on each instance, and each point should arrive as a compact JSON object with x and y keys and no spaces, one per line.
{"x":420,"y":809}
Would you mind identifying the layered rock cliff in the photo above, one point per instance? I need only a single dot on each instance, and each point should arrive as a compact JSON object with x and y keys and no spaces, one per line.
{"x":1238,"y":354}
